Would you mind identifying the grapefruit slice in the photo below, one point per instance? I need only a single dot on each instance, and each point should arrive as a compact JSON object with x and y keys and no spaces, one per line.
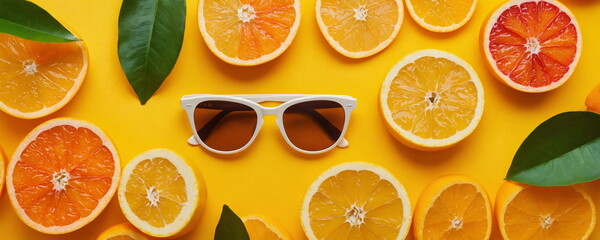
{"x":162,"y":194}
{"x":265,"y":228}
{"x":356,"y":200}
{"x":37,"y":79}
{"x":532,"y":45}
{"x":358,"y":29}
{"x":62,"y":175}
{"x":551,"y":213}
{"x":453,"y":207}
{"x":248,"y":33}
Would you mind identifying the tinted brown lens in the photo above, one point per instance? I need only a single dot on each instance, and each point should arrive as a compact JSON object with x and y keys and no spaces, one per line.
{"x":314,"y":125}
{"x":223,"y":125}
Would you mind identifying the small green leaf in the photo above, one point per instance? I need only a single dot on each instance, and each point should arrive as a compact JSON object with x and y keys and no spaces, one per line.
{"x":26,"y":20}
{"x":230,"y":226}
{"x":150,"y":39}
{"x":563,"y":150}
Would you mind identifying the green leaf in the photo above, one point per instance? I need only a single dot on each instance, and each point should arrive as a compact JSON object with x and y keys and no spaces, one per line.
{"x":561,"y":151}
{"x":230,"y":226}
{"x":26,"y":20}
{"x":150,"y":39}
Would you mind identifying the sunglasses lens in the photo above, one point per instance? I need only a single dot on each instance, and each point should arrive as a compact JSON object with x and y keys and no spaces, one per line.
{"x":314,"y":125}
{"x":223,"y":125}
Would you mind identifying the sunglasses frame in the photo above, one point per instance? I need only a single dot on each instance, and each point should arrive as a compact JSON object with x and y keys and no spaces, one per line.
{"x":189,"y":103}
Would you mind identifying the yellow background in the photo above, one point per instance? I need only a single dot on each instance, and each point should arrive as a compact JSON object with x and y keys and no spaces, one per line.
{"x":270,"y":178}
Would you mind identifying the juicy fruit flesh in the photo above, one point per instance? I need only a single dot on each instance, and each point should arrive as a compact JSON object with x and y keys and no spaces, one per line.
{"x":35,"y":75}
{"x":246,"y":29}
{"x":360,"y":25}
{"x":62,"y":174}
{"x":442,"y":13}
{"x":258,"y":230}
{"x":122,"y":237}
{"x":356,"y":203}
{"x":534,"y":43}
{"x":458,"y":212}
{"x":433,"y":98}
{"x":548,"y":213}
{"x":156,"y":191}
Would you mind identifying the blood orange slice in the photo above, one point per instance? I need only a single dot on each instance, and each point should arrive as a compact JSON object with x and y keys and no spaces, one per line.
{"x":62,"y":175}
{"x":532,"y":45}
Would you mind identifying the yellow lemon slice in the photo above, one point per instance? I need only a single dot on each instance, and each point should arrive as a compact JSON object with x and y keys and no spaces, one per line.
{"x":441,"y":16}
{"x":359,"y":29}
{"x":161,"y":194}
{"x":356,"y":200}
{"x":265,"y":228}
{"x":431,"y":100}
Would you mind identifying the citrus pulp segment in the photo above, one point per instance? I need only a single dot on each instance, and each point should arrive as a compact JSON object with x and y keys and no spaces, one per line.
{"x":62,"y":175}
{"x":453,"y":207}
{"x":37,"y":79}
{"x":441,"y":16}
{"x":122,"y":231}
{"x":162,"y":194}
{"x":359,"y":29}
{"x":530,"y":212}
{"x":265,"y":228}
{"x":248,"y":33}
{"x":431,"y":100}
{"x":356,"y":200}
{"x":532,"y":45}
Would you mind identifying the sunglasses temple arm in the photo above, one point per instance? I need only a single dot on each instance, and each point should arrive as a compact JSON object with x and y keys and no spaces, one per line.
{"x":343,"y":144}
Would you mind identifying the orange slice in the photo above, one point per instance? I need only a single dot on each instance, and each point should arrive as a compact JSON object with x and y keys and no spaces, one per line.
{"x":532,"y":45}
{"x":529,"y":212}
{"x":356,"y":200}
{"x":431,"y":100}
{"x":359,"y":29}
{"x":265,"y":228}
{"x":592,"y":101}
{"x":37,"y":79}
{"x":123,"y":231}
{"x":248,"y":33}
{"x":62,"y":175}
{"x":453,"y":207}
{"x":2,"y":169}
{"x":162,"y":194}
{"x":441,"y":16}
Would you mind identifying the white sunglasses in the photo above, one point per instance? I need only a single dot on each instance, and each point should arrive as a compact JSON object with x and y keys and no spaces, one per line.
{"x":228,"y":124}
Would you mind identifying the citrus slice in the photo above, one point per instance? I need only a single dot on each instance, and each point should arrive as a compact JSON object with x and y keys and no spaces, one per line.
{"x":264,"y":228}
{"x":62,"y":175}
{"x":592,"y":101}
{"x":37,"y":79}
{"x":532,"y":45}
{"x":441,"y":16}
{"x":529,"y":212}
{"x":161,"y":194}
{"x":431,"y":100}
{"x":2,"y":169}
{"x":248,"y":33}
{"x":123,"y":231}
{"x":356,"y":200}
{"x":453,"y":207}
{"x":359,"y":29}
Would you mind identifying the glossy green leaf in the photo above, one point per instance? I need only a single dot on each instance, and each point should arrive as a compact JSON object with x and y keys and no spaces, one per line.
{"x":561,"y":151}
{"x":26,"y":20}
{"x":230,"y":226}
{"x":150,"y":39}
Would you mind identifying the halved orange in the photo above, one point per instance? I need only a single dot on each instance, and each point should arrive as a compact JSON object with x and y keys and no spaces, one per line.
{"x":532,"y":45}
{"x":123,"y":231}
{"x":359,"y":29}
{"x":356,"y":200}
{"x":248,"y":33}
{"x":62,"y":175}
{"x":431,"y":100}
{"x":453,"y":207}
{"x":530,"y":212}
{"x":37,"y":79}
{"x":265,"y":228}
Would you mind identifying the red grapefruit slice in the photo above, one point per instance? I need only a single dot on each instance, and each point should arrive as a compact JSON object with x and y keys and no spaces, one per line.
{"x":532,"y":45}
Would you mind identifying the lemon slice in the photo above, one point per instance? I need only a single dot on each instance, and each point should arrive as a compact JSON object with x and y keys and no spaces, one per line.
{"x":356,"y":200}
{"x":265,"y":228}
{"x":161,"y":194}
{"x":441,"y":16}
{"x":431,"y":100}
